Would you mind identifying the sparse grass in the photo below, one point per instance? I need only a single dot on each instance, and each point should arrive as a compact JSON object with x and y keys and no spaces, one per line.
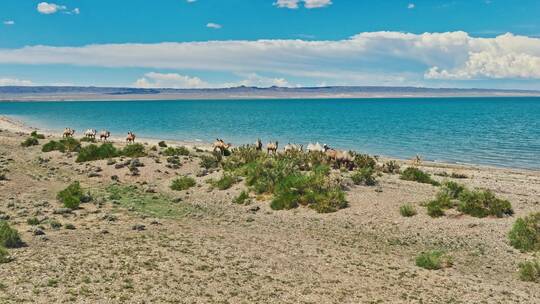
{"x":33,"y":221}
{"x":30,"y":141}
{"x":225,"y":182}
{"x":482,"y":203}
{"x":364,"y":176}
{"x":180,"y":151}
{"x":183,"y":183}
{"x":71,"y":196}
{"x":391,"y":167}
{"x":35,"y":134}
{"x":452,"y":189}
{"x":529,"y":271}
{"x":435,"y":209}
{"x":433,"y":260}
{"x":4,"y":256}
{"x":9,"y":237}
{"x":417,"y":175}
{"x":407,"y":210}
{"x":525,"y":234}
{"x":55,"y":224}
{"x":242,"y":198}
{"x":210,"y":161}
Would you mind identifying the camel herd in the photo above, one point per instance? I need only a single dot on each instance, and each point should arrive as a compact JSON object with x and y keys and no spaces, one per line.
{"x":103,"y":135}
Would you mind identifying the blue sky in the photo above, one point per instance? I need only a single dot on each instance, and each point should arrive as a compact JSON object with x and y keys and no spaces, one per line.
{"x":215,"y":43}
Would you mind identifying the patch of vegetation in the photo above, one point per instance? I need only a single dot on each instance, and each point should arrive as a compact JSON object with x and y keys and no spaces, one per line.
{"x":433,"y":260}
{"x":33,"y":221}
{"x":55,"y":224}
{"x":180,"y":151}
{"x":64,"y":145}
{"x":69,"y":226}
{"x":94,"y":152}
{"x":417,"y":175}
{"x":9,"y":237}
{"x":4,"y":256}
{"x":35,"y":134}
{"x":364,"y":176}
{"x":391,"y":167}
{"x":242,"y":198}
{"x":482,"y":203}
{"x":162,"y":144}
{"x":210,"y":161}
{"x":435,"y":208}
{"x":525,"y":234}
{"x":88,"y":139}
{"x":183,"y":183}
{"x":364,"y":161}
{"x":133,"y":150}
{"x":30,"y":141}
{"x":225,"y":182}
{"x":529,"y":271}
{"x":452,"y":189}
{"x":407,"y":210}
{"x":71,"y":196}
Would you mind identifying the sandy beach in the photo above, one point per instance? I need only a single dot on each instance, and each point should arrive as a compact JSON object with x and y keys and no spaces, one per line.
{"x":197,"y":246}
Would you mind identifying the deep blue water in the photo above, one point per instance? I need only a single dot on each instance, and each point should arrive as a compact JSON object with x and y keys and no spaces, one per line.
{"x":491,"y":131}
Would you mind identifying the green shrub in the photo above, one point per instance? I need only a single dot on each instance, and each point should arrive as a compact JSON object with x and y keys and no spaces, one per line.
{"x":183,"y":183}
{"x":4,"y":256}
{"x":364,"y":161}
{"x":407,"y":210}
{"x":242,"y":198}
{"x":35,"y":134}
{"x":435,"y":208}
{"x":391,"y":167}
{"x":94,"y":152}
{"x":364,"y":176}
{"x":88,"y":139}
{"x":525,"y":234}
{"x":133,"y":150}
{"x":9,"y":237}
{"x":53,"y":146}
{"x":529,"y":271}
{"x":284,"y":201}
{"x":417,"y":175}
{"x":482,"y":203}
{"x":30,"y":141}
{"x":433,"y":260}
{"x":210,"y":161}
{"x":452,"y":189}
{"x":64,"y":145}
{"x":162,"y":144}
{"x":328,"y":201}
{"x":180,"y":151}
{"x":71,"y":196}
{"x":33,"y":221}
{"x":225,"y":182}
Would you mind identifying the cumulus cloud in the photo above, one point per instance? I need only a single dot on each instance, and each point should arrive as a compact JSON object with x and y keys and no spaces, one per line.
{"x":49,"y":8}
{"x":411,"y":6}
{"x":386,"y":56}
{"x":214,"y":26}
{"x":294,"y":4}
{"x":15,"y":82}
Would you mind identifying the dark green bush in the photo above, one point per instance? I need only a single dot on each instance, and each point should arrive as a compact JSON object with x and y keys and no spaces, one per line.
{"x":407,"y":210}
{"x":133,"y":150}
{"x":364,"y":176}
{"x":525,"y":234}
{"x":183,"y":183}
{"x":71,"y":196}
{"x":210,"y":161}
{"x":180,"y":151}
{"x":162,"y":144}
{"x":64,"y":145}
{"x":433,"y":260}
{"x":417,"y":175}
{"x":9,"y":237}
{"x":225,"y":182}
{"x":529,"y":271}
{"x":242,"y":198}
{"x":35,"y":134}
{"x":364,"y":161}
{"x":482,"y":203}
{"x":30,"y":141}
{"x":94,"y":152}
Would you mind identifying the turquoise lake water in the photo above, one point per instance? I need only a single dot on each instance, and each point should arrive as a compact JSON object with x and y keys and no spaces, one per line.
{"x":491,"y":131}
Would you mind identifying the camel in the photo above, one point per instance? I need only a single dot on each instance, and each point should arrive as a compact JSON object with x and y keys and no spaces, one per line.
{"x":90,"y":133}
{"x":220,"y":145}
{"x":272,"y":147}
{"x":104,"y":135}
{"x":258,"y":144}
{"x":130,"y":137}
{"x":68,"y":132}
{"x":315,"y":147}
{"x":293,"y":148}
{"x":339,"y":157}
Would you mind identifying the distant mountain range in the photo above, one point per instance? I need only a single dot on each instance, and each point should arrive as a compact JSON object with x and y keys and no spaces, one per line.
{"x":28,"y":93}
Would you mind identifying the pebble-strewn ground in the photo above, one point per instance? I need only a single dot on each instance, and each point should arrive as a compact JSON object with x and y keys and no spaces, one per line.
{"x":196,"y":246}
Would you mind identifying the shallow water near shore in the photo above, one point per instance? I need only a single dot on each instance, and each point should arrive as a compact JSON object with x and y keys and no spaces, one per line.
{"x":489,"y":131}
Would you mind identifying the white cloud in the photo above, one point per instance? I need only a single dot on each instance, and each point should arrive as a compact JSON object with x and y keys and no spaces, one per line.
{"x":9,"y":22}
{"x":191,"y":1}
{"x":49,"y":8}
{"x":214,"y":25}
{"x":388,"y":57}
{"x":411,"y":6}
{"x":294,"y":4}
{"x":14,"y":82}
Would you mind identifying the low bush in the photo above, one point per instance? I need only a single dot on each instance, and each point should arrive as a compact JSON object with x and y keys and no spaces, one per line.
{"x":30,"y":141}
{"x":452,"y":189}
{"x":417,"y":175}
{"x":482,"y":203}
{"x":94,"y":152}
{"x":33,"y":221}
{"x":525,"y":233}
{"x":9,"y":237}
{"x":407,"y":210}
{"x":242,"y":198}
{"x":64,"y":145}
{"x":210,"y":161}
{"x":364,"y":161}
{"x":88,"y":139}
{"x":162,"y":144}
{"x":133,"y":150}
{"x":180,"y":151}
{"x":4,"y":255}
{"x":35,"y":134}
{"x":529,"y":271}
{"x":391,"y":167}
{"x":71,"y":196}
{"x":435,"y":208}
{"x":225,"y":182}
{"x":364,"y":176}
{"x":182,"y":183}
{"x":433,"y":260}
